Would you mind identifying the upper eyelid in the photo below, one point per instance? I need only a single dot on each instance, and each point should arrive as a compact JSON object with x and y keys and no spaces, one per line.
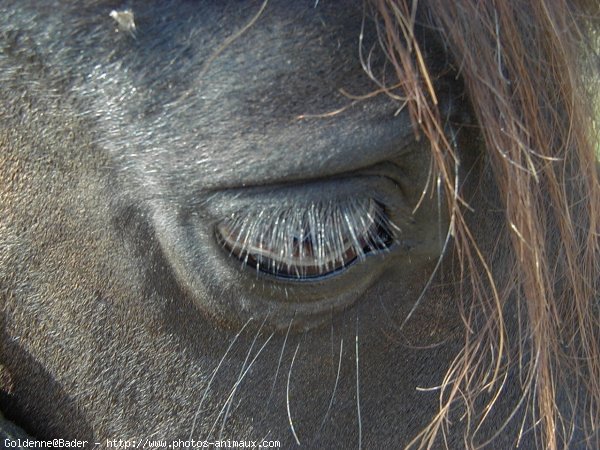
{"x":336,"y":233}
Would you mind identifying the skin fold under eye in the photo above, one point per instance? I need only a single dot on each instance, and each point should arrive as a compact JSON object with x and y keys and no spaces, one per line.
{"x":307,"y":242}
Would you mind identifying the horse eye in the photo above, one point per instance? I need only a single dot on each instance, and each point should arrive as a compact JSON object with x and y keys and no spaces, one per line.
{"x":306,"y":242}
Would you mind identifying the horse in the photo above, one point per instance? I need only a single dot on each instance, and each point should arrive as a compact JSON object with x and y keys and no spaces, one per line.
{"x":313,"y":224}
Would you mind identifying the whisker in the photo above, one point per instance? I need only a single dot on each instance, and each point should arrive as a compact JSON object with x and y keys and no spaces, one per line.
{"x":214,"y":375}
{"x":429,"y":280}
{"x":335,"y":385}
{"x":332,"y":348}
{"x":243,"y":372}
{"x":287,"y":396}
{"x":280,"y":359}
{"x":449,"y":236}
{"x":234,"y":388}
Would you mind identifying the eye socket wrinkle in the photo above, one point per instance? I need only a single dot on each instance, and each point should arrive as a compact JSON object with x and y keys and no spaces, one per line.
{"x":307,"y":242}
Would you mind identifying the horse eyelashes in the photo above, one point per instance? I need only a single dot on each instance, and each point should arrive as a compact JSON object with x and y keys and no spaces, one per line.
{"x":309,"y":241}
